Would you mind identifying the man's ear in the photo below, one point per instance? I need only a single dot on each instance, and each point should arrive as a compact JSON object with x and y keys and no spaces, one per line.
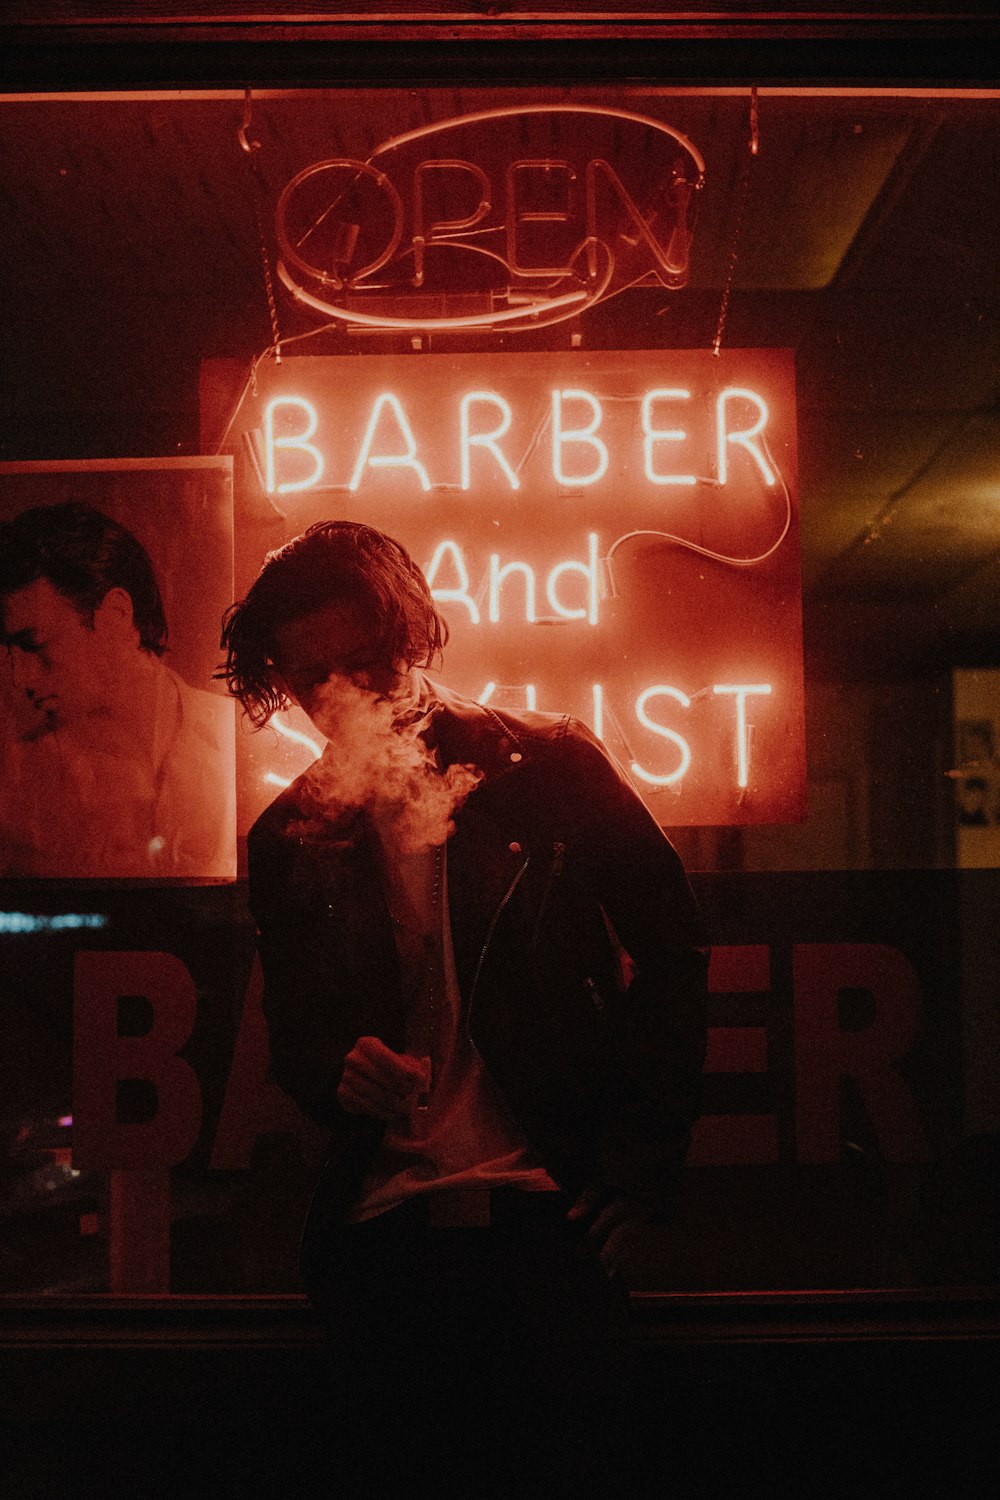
{"x":114,"y":617}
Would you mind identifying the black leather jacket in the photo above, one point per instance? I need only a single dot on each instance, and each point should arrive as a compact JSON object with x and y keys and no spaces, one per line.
{"x":578,"y":945}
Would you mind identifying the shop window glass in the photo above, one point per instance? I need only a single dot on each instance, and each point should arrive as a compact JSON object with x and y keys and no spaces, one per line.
{"x":686,"y":402}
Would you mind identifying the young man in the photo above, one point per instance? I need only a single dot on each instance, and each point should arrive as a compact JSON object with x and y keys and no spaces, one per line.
{"x":484,"y":972}
{"x":114,"y":766}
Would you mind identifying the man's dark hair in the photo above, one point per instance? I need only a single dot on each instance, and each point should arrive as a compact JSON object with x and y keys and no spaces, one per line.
{"x":331,"y":561}
{"x":83,"y":554}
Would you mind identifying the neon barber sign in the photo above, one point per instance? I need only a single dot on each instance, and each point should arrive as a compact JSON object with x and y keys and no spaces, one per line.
{"x":466,"y":224}
{"x":580,"y":455}
{"x":614,"y":535}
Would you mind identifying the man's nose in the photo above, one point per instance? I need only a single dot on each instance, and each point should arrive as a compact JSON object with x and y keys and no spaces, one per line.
{"x":25,"y":671}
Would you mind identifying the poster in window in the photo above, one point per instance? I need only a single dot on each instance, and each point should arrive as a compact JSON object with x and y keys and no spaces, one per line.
{"x":118,"y":746}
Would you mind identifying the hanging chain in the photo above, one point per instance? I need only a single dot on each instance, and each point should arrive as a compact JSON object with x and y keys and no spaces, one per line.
{"x":272,"y":305}
{"x":250,"y":147}
{"x":743,"y":198}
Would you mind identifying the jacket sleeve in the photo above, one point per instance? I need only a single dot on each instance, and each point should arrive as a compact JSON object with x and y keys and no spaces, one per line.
{"x":634,"y":872}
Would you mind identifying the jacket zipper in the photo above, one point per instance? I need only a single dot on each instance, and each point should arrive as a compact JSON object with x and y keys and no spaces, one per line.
{"x":486,"y":943}
{"x":596,"y":998}
{"x":555,"y":872}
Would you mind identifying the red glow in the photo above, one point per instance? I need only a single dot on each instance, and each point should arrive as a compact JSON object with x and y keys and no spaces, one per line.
{"x":580,"y":457}
{"x":654,"y":435}
{"x":297,"y":441}
{"x":391,"y":460}
{"x":592,"y":464}
{"x":611,"y":535}
{"x":472,"y":437}
{"x":551,"y":226}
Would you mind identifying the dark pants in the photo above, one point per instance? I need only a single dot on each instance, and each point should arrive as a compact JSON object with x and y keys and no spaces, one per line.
{"x":492,"y":1358}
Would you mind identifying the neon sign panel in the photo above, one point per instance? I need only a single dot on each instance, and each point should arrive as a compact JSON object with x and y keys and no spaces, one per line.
{"x":422,"y":236}
{"x":613,"y":535}
{"x":398,"y":449}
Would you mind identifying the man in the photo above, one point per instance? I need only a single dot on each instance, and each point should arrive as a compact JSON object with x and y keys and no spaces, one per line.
{"x":114,"y":766}
{"x":484,"y":972}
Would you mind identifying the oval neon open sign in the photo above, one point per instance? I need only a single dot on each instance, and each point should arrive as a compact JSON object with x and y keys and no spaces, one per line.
{"x":464,"y":224}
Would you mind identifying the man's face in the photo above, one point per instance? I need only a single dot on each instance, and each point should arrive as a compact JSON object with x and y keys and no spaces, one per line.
{"x":334,"y":640}
{"x":62,"y":665}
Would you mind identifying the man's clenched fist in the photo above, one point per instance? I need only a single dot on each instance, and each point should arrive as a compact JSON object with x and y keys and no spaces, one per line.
{"x":379,"y":1082}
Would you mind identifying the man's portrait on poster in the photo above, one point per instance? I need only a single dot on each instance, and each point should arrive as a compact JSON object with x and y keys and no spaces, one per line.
{"x":117,"y":763}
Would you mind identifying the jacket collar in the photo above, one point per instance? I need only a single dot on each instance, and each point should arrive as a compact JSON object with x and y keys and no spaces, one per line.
{"x":462,"y":731}
{"x":468,"y":733}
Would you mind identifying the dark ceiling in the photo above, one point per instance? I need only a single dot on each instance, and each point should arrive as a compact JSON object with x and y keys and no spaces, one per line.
{"x":130,"y":251}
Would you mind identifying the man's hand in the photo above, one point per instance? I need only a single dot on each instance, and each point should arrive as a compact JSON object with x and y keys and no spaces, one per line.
{"x":379,"y":1082}
{"x":618,"y":1226}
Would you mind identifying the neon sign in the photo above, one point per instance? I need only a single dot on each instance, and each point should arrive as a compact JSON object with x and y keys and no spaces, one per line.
{"x":611,"y":535}
{"x":291,"y":423}
{"x":514,"y":218}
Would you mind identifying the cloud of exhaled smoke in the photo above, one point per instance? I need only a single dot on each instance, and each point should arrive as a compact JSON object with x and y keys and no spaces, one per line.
{"x":377,"y":760}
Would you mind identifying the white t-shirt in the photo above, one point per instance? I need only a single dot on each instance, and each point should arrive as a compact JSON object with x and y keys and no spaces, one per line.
{"x":459,"y":1135}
